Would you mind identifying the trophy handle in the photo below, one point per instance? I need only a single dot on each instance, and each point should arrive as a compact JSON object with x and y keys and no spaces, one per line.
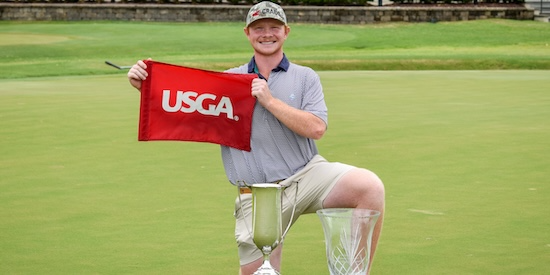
{"x":293,"y":210}
{"x":241,"y":204}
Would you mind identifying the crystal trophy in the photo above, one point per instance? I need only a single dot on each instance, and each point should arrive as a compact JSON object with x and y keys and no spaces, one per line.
{"x":348,"y":237}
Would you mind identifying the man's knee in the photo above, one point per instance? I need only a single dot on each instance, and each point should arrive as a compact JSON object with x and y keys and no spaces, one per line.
{"x":366,"y":183}
{"x":357,"y":188}
{"x":375,"y":184}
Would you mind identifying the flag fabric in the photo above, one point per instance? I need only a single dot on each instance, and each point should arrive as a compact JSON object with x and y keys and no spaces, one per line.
{"x":187,"y":104}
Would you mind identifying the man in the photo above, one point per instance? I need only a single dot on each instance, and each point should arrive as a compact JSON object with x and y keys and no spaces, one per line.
{"x":289,"y":115}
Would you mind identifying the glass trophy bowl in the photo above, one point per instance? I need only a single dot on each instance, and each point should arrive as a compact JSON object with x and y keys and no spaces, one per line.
{"x":348,"y":237}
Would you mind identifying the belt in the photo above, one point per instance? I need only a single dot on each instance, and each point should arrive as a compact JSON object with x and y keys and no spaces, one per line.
{"x":247,"y":190}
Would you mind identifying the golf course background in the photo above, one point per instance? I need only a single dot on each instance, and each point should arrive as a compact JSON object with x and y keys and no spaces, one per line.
{"x":452,"y":116}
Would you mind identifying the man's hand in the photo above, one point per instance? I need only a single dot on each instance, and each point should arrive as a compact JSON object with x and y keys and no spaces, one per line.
{"x":261,"y":91}
{"x":137,"y":74}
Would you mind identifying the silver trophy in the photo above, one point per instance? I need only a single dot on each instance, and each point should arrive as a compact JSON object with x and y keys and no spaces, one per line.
{"x":267,"y":222}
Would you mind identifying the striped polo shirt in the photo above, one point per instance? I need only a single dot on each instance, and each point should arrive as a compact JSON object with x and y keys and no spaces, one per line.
{"x":277,"y":152}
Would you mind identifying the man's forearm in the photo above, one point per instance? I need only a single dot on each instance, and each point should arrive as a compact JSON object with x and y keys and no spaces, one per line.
{"x":301,"y":122}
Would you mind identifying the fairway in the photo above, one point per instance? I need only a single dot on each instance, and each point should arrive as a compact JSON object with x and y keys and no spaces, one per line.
{"x":32,"y":49}
{"x":463,"y":154}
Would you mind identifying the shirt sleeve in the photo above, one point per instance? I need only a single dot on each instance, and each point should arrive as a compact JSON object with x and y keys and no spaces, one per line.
{"x":313,"y":97}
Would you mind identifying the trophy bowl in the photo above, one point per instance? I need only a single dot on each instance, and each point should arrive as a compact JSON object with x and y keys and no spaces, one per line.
{"x":348,"y":237}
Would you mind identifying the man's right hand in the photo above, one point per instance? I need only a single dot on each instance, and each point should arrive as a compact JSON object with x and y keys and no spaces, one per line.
{"x":137,"y":74}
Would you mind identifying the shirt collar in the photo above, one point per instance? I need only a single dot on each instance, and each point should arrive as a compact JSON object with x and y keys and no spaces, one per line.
{"x":283,"y":65}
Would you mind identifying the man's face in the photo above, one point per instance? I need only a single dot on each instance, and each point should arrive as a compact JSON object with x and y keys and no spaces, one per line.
{"x":267,"y":36}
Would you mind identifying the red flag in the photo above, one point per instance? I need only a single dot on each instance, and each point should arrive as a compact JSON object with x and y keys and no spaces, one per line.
{"x":180,"y":103}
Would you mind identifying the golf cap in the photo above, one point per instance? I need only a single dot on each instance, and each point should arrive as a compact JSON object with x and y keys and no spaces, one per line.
{"x":265,"y":9}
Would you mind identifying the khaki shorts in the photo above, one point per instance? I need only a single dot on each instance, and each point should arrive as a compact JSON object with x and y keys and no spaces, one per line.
{"x":314,"y":182}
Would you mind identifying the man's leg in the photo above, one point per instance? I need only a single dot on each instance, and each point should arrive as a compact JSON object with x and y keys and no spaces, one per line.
{"x":359,"y":188}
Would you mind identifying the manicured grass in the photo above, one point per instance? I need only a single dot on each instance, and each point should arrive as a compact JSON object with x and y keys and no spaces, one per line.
{"x":31,"y":49}
{"x":463,"y":155}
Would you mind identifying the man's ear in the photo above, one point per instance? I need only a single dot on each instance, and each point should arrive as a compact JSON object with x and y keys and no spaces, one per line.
{"x":246,"y":31}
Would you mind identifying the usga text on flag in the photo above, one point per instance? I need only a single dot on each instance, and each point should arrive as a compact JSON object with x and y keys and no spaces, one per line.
{"x":190,"y":101}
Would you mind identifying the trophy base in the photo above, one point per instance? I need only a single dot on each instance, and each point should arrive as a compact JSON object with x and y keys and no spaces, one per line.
{"x":266,"y":269}
{"x":266,"y":272}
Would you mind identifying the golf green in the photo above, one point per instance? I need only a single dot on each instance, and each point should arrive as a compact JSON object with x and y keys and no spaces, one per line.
{"x":463,"y":155}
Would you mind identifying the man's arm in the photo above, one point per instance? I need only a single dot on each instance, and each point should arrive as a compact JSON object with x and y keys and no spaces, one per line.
{"x":301,"y":122}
